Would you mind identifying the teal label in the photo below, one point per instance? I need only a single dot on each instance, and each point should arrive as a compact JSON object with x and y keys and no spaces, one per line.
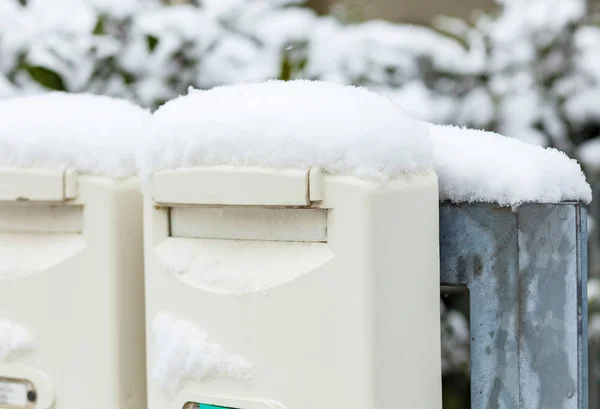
{"x":205,"y":406}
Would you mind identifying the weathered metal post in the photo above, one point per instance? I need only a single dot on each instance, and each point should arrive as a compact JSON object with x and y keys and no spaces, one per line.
{"x":526,"y":271}
{"x":594,"y":272}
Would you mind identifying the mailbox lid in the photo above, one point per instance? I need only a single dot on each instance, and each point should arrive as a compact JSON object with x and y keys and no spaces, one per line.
{"x":228,"y":185}
{"x":19,"y":184}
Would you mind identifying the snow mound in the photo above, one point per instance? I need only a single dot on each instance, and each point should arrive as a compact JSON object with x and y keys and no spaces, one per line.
{"x":88,"y":133}
{"x":14,"y":338}
{"x":295,"y":124}
{"x":479,"y":166}
{"x":589,"y":154}
{"x":184,"y":353}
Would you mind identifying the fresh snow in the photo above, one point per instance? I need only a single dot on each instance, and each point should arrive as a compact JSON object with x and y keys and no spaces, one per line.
{"x":455,"y":334}
{"x":184,"y":353}
{"x":479,"y":166}
{"x":14,"y":338}
{"x":348,"y":130}
{"x":593,"y":290}
{"x":593,"y":293}
{"x":296,"y":124}
{"x":589,"y":154}
{"x":16,"y":249}
{"x":582,"y":106}
{"x":91,"y":134}
{"x":383,"y":44}
{"x":6,"y":88}
{"x":594,"y":327}
{"x":211,"y":266}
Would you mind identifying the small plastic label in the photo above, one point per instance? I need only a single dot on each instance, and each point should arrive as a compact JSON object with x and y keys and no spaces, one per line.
{"x":193,"y":405}
{"x":205,"y":406}
{"x":13,"y":394}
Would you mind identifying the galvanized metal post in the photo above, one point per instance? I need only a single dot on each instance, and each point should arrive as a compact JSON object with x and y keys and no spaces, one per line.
{"x":526,"y":272}
{"x":594,"y":272}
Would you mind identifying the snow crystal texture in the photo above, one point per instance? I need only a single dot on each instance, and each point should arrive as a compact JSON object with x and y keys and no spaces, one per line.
{"x":88,"y":133}
{"x":184,"y":353}
{"x":14,"y":338}
{"x":296,"y":124}
{"x":589,"y":154}
{"x":479,"y":166}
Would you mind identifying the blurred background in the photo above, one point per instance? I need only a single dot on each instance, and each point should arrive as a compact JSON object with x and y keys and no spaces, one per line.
{"x":526,"y":68}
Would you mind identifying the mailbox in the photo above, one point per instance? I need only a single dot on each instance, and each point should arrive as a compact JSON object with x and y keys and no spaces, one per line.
{"x":273,"y":289}
{"x":71,"y":291}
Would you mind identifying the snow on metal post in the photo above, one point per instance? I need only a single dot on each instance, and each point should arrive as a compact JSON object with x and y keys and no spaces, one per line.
{"x":291,"y":277}
{"x":526,"y":272}
{"x":71,"y":258}
{"x":516,"y":236}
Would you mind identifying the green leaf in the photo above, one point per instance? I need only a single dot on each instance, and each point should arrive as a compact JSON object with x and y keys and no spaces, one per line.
{"x":152,"y":42}
{"x":128,"y":78}
{"x":285,"y":72}
{"x":46,"y":77}
{"x":462,"y":41}
{"x":99,"y":28}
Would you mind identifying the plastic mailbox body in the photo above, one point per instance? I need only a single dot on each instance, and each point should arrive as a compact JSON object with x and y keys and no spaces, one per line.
{"x":72,"y":276}
{"x":327,"y":285}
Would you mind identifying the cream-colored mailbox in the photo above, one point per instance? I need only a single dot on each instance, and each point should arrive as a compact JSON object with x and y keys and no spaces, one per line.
{"x":273,"y":289}
{"x":71,"y":291}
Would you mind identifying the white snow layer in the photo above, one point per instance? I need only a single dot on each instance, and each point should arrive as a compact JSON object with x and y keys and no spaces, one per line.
{"x":14,"y":338}
{"x":349,"y":130}
{"x":184,"y":353}
{"x":479,"y":166}
{"x":296,"y":124}
{"x":594,"y":327}
{"x":88,"y":133}
{"x":589,"y":154}
{"x":593,"y":290}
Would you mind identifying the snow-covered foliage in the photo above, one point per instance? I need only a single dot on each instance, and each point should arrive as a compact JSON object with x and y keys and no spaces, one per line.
{"x":455,"y":336}
{"x":593,"y":293}
{"x":145,"y":50}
